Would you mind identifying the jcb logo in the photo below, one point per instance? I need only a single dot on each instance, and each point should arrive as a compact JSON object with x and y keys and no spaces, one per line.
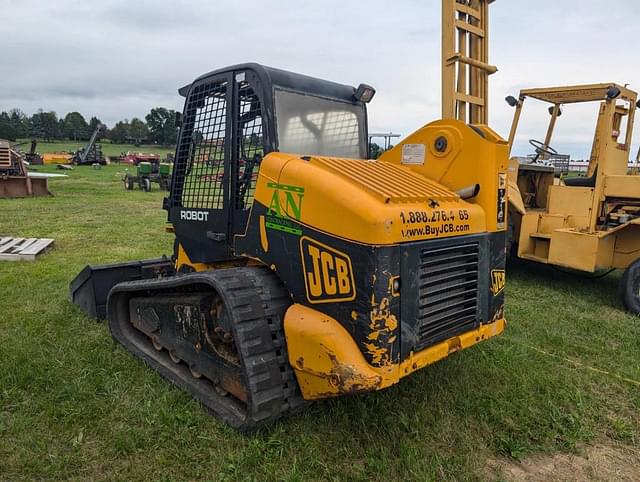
{"x":328,"y":275}
{"x":498,"y":281}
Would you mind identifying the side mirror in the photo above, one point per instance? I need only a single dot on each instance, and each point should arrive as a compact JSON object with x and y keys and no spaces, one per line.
{"x":552,"y":108}
{"x":364,"y":93}
{"x":613,"y":93}
{"x":512,"y":101}
{"x":178,"y":119}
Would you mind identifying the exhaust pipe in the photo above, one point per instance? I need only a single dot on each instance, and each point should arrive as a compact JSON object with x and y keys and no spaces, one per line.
{"x":469,"y":192}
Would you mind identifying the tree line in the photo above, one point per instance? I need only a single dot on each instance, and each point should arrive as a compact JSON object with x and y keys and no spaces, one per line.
{"x":158,"y":127}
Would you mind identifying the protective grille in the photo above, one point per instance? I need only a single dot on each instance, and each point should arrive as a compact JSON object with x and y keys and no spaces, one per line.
{"x":200,"y":162}
{"x":448,"y":292}
{"x":250,"y":144}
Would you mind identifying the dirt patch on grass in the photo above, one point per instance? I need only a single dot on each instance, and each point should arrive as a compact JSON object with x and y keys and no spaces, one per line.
{"x":594,"y":463}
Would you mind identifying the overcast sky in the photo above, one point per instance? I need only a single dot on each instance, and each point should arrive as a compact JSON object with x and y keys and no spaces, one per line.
{"x":118,"y":58}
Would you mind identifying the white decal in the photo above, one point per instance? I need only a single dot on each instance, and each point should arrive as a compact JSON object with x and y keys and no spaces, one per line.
{"x":413,"y":154}
{"x":194,"y":215}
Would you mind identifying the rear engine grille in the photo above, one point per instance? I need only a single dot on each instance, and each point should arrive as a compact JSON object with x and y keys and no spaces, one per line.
{"x":448,"y":292}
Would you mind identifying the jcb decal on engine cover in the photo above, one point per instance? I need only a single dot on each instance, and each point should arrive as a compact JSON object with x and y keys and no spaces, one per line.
{"x":193,"y":215}
{"x":285,"y":205}
{"x":328,"y":275}
{"x":498,"y":281}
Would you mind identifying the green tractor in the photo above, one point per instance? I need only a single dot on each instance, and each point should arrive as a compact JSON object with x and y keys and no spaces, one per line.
{"x":146,"y":173}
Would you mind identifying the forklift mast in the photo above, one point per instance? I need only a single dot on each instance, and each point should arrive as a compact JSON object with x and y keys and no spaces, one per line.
{"x":465,"y":60}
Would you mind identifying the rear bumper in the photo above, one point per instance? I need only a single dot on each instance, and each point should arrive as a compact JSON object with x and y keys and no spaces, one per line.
{"x":328,"y":363}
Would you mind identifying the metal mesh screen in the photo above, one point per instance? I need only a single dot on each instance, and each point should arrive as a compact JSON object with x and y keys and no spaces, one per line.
{"x":200,"y":162}
{"x":250,"y":144}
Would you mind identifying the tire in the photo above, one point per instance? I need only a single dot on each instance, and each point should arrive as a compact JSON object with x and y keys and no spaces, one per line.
{"x":146,"y":184}
{"x":128,"y":183}
{"x":630,"y":288}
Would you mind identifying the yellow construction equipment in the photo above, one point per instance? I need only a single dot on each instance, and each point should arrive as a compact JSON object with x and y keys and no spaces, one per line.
{"x":303,"y":270}
{"x":56,"y":158}
{"x":585,"y":223}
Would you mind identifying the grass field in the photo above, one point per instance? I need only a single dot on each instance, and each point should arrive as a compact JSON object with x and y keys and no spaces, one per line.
{"x":108,"y":149}
{"x":74,"y":405}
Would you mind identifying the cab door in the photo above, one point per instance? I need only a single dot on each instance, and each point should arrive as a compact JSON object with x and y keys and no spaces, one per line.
{"x":200,"y":198}
{"x":250,"y":145}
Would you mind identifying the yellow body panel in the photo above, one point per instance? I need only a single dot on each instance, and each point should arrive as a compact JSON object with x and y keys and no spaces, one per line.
{"x":572,"y":249}
{"x":55,"y":158}
{"x":627,"y":248}
{"x":622,"y":186}
{"x":183,"y":261}
{"x":570,"y":201}
{"x":388,"y":201}
{"x":467,"y":160}
{"x":328,"y":362}
{"x":515,"y":197}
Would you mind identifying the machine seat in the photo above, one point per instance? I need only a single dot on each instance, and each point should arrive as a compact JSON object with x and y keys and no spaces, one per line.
{"x":580,"y":181}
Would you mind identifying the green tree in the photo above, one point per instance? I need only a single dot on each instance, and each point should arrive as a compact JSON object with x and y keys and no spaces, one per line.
{"x":162,"y":127}
{"x":45,"y":125}
{"x":375,"y":150}
{"x":120,"y":132}
{"x":19,"y":122}
{"x":6,"y":128}
{"x":75,"y":126}
{"x":94,"y":123}
{"x":138,"y":131}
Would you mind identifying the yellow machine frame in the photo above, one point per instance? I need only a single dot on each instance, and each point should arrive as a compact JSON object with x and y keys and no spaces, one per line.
{"x":465,"y":57}
{"x":588,"y":225}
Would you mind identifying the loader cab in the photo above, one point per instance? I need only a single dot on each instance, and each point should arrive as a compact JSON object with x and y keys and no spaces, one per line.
{"x":232,"y":118}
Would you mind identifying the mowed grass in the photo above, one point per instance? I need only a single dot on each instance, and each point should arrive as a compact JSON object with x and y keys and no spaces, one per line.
{"x":108,"y":149}
{"x":74,"y":405}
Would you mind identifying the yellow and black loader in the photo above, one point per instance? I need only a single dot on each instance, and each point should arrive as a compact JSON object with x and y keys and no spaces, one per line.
{"x":301,"y":269}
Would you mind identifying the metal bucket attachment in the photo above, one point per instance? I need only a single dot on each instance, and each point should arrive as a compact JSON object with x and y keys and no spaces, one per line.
{"x":90,"y":289}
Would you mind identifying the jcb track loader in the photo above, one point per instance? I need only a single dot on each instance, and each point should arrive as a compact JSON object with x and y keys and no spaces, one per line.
{"x":301,"y":269}
{"x":585,"y":223}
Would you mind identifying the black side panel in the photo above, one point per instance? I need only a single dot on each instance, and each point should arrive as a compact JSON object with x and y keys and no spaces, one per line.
{"x":367,"y":308}
{"x":89,"y":290}
{"x":497,"y":275}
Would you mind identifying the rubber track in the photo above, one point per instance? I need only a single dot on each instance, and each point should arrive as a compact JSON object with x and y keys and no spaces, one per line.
{"x":257,"y":302}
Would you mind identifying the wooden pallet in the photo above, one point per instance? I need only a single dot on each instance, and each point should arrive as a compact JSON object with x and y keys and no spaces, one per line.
{"x":22,"y":249}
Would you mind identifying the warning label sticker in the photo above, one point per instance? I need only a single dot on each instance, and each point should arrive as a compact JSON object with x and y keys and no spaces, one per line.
{"x":413,"y":154}
{"x":501,"y":213}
